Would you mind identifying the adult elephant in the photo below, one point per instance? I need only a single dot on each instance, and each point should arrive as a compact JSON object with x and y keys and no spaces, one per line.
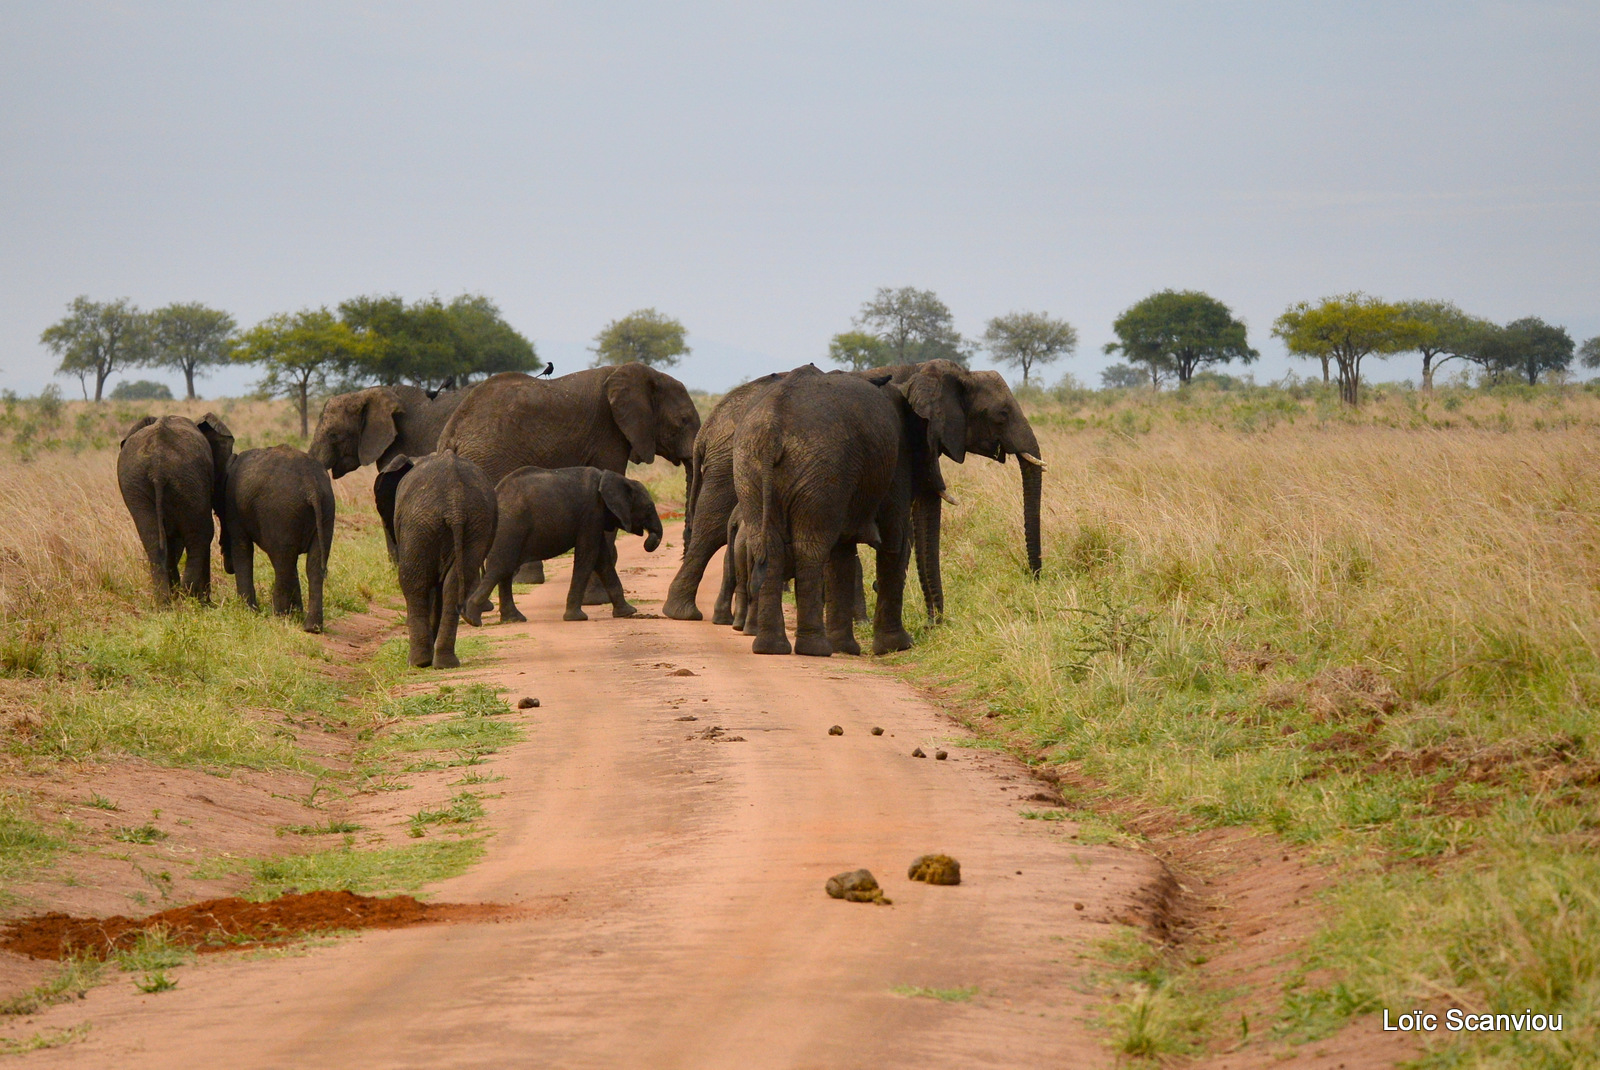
{"x":975,"y":413}
{"x":598,"y":418}
{"x":173,"y":473}
{"x":376,"y":425}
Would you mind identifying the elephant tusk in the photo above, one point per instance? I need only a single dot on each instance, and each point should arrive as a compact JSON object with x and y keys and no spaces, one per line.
{"x":947,"y":496}
{"x":1031,"y":459}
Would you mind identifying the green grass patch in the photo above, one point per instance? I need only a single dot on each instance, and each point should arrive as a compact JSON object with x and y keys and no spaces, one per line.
{"x":74,"y":977}
{"x":943,"y":995}
{"x":146,"y":833}
{"x":154,"y":950}
{"x":24,"y":843}
{"x":464,"y":809}
{"x":48,"y":1038}
{"x":327,"y":828}
{"x":384,"y":870}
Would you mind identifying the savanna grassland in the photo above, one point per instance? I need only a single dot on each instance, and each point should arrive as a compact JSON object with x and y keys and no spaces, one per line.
{"x":101,"y":696}
{"x":1370,"y":637}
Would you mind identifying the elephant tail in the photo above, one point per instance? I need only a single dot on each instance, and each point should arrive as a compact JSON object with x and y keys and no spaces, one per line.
{"x":456,"y":517}
{"x":323,"y":535}
{"x":772,"y":523}
{"x":161,"y":518}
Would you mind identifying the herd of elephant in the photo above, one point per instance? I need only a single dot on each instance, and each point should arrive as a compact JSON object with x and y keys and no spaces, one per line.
{"x":792,"y":472}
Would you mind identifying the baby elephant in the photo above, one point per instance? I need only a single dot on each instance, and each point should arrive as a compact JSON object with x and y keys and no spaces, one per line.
{"x":439,"y":514}
{"x":282,"y":501}
{"x":548,"y":511}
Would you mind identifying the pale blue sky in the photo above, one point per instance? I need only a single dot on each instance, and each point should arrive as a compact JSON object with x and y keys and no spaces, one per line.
{"x":759,"y":170}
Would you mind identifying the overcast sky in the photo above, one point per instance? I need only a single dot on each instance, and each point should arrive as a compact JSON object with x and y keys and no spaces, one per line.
{"x":758,"y":170}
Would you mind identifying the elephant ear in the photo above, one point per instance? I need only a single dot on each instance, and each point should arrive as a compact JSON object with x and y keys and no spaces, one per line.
{"x":221,"y":440}
{"x":384,"y":489}
{"x":630,"y":391}
{"x":378,"y":427}
{"x":614,"y":493}
{"x":140,"y":426}
{"x":936,"y":394}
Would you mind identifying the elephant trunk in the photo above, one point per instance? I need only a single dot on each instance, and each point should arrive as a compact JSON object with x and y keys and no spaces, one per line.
{"x":925,"y":526}
{"x":653,"y":539}
{"x":1032,"y":483}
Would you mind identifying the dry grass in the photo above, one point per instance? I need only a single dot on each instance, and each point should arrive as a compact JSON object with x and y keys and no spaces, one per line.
{"x":1375,"y":637}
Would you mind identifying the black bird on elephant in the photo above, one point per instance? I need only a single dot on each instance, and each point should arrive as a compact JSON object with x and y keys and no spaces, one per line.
{"x":549,"y":370}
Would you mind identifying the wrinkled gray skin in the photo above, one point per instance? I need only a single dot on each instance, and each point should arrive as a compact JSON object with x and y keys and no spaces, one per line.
{"x":376,"y":425}
{"x":822,"y":462}
{"x":439,"y":513}
{"x":982,"y":417}
{"x":281,"y":500}
{"x":172,"y":472}
{"x":597,"y":418}
{"x":545,"y":512}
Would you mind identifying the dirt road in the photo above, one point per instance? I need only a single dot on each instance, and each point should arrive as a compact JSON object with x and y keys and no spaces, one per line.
{"x":674,"y":886}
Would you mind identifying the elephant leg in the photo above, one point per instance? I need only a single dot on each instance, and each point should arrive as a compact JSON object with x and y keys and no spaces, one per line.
{"x":421,"y":623}
{"x":766,"y":575}
{"x":888,"y":628}
{"x":285,"y":583}
{"x":596,"y":594}
{"x":620,"y":606}
{"x":449,"y":617}
{"x":585,"y":556}
{"x":174,"y":563}
{"x":708,"y":537}
{"x":509,"y":613}
{"x":723,"y":612}
{"x":844,"y":568}
{"x":244,"y":570}
{"x":316,"y":573}
{"x":810,"y":595}
{"x":502,"y":561}
{"x":736,"y":581}
{"x":858,"y":590}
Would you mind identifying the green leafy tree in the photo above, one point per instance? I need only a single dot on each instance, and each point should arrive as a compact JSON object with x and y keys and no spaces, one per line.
{"x":858,"y":350}
{"x":1446,"y":333}
{"x":299,"y":351}
{"x":190,"y":337}
{"x":1121,"y":376}
{"x":1526,"y":348}
{"x":913,"y":325}
{"x":1589,"y":352}
{"x":1024,"y":339}
{"x":645,"y":336}
{"x":1181,"y":330}
{"x":432,"y":344}
{"x":95,"y":338}
{"x":1346,"y":329}
{"x":141,"y":390}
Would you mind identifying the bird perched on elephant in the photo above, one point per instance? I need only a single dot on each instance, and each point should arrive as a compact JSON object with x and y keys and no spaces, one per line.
{"x":545,"y":512}
{"x":976,"y":413}
{"x":281,"y":500}
{"x":821,"y":462}
{"x":599,"y":418}
{"x":439,"y":515}
{"x":172,"y":473}
{"x":376,"y":425}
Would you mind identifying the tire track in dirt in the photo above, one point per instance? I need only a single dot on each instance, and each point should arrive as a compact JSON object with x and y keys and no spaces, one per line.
{"x":673,"y":886}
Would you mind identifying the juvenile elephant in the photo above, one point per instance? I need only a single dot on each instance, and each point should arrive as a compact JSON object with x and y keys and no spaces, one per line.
{"x":172,"y":473}
{"x":281,"y":500}
{"x":376,"y":425}
{"x":599,"y":418}
{"x":545,"y":512}
{"x":976,"y":413}
{"x":439,"y":514}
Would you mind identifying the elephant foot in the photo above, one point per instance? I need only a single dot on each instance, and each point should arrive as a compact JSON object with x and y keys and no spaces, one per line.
{"x":844,"y":644}
{"x":624,"y":610}
{"x":771,"y":645}
{"x":314,"y":627}
{"x":574,"y":614}
{"x":421,"y":662}
{"x":891,"y":642}
{"x":749,"y":628}
{"x":446,"y":659}
{"x":721,"y":615}
{"x":813,"y":646}
{"x":512,"y":616}
{"x":678,"y":609}
{"x":473,"y":616}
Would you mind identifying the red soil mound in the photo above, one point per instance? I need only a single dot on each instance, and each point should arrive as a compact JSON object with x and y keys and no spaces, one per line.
{"x":229,"y":924}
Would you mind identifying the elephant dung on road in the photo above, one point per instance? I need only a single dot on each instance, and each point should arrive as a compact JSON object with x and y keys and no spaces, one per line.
{"x":546,"y":512}
{"x":281,"y":500}
{"x":439,"y":514}
{"x":376,"y":425}
{"x":172,"y":473}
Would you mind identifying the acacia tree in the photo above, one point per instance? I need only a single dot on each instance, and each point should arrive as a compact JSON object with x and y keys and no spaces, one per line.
{"x":1346,"y":329}
{"x":1446,"y":333}
{"x":858,"y":350}
{"x":95,"y":338}
{"x":1183,"y":330}
{"x":299,"y":350}
{"x":646,"y":336}
{"x":1023,"y":339}
{"x":913,"y":325}
{"x":1589,"y":352}
{"x":432,"y":344}
{"x":189,"y":337}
